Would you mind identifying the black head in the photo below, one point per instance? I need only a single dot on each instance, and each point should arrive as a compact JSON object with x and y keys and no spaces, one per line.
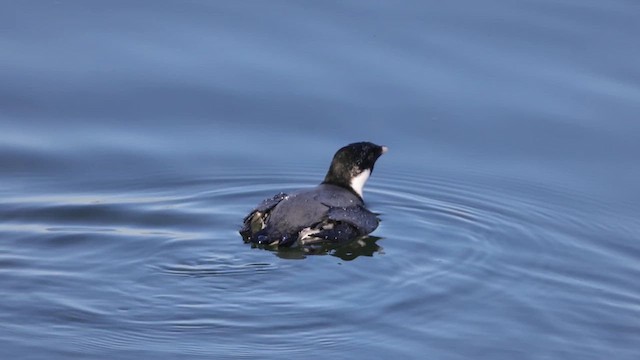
{"x":352,"y":165}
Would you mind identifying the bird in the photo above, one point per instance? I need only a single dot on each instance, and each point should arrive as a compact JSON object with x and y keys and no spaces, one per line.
{"x":333,"y":212}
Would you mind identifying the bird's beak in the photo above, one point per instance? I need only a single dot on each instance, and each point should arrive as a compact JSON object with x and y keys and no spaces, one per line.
{"x":384,"y":149}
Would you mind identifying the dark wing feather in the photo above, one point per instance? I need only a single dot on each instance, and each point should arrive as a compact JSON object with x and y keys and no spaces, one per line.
{"x":362,"y":219}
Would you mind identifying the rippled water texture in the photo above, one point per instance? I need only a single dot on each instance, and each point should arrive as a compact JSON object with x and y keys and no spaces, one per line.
{"x":135,"y":137}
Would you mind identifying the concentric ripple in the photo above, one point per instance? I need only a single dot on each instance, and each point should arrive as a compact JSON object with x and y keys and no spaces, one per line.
{"x":472,"y":239}
{"x":145,"y":265}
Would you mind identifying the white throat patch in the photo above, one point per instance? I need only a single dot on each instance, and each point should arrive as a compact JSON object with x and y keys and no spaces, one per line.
{"x":357,"y":183}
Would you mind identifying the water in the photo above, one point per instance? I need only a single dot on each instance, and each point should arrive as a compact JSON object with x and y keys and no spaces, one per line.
{"x":135,"y":136}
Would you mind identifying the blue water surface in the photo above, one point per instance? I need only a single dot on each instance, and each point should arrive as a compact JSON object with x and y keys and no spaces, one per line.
{"x":135,"y":136}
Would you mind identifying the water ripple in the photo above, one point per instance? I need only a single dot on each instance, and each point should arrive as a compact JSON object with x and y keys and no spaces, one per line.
{"x":170,"y":259}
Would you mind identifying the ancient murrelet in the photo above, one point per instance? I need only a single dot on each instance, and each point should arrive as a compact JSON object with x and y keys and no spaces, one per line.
{"x":332,"y":212}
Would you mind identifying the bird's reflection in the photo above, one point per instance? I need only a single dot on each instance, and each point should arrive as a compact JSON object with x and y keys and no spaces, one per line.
{"x":365,"y":246}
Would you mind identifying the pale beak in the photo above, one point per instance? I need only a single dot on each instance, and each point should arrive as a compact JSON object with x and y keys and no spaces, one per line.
{"x":385,"y":149}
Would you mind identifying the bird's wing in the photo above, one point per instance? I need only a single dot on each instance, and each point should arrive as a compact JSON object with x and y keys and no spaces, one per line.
{"x":362,"y":219}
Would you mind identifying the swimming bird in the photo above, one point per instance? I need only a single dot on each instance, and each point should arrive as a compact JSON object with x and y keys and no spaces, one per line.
{"x":332,"y":212}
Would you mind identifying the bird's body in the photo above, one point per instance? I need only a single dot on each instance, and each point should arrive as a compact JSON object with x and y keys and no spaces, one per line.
{"x":333,"y":211}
